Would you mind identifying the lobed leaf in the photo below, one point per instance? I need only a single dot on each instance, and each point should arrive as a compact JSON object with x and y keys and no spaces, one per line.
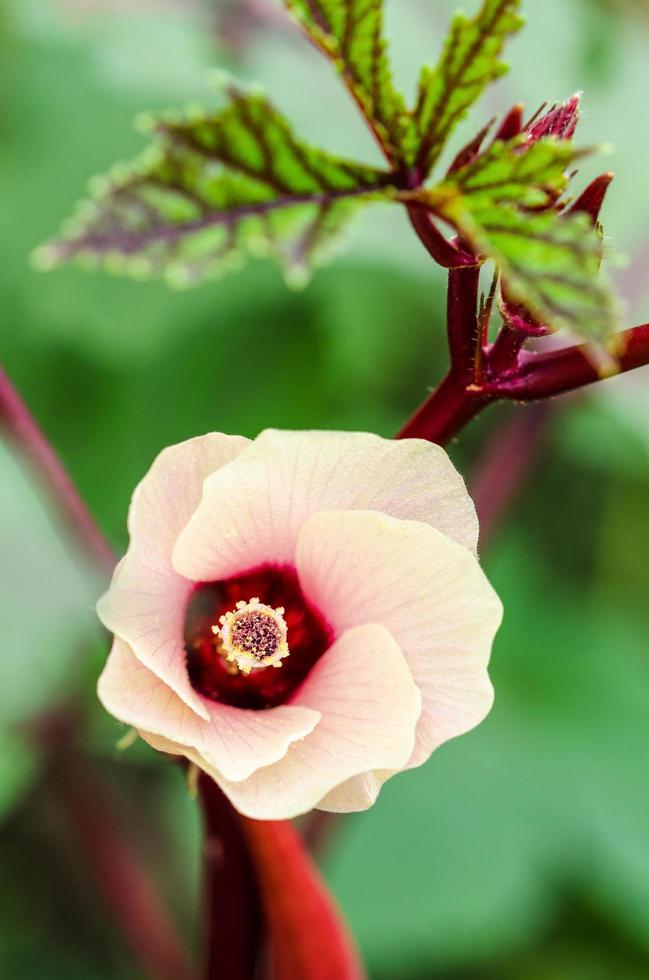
{"x":470,"y":61}
{"x":350,"y":34}
{"x":514,"y":172}
{"x":212,"y":189}
{"x":550,"y":261}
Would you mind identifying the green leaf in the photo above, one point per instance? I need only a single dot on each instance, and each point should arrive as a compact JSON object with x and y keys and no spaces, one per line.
{"x":469,"y":63}
{"x":550,"y":261}
{"x":212,"y":189}
{"x":350,"y":34}
{"x":513,"y":172}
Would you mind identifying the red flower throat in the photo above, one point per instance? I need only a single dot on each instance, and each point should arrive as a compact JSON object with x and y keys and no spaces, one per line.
{"x":309,"y":636}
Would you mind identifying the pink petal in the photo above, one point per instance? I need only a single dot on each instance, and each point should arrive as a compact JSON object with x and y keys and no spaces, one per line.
{"x":369,"y":706}
{"x":253,"y":509}
{"x":355,"y":794}
{"x":364,"y":567}
{"x":145,"y":604}
{"x":234,"y":740}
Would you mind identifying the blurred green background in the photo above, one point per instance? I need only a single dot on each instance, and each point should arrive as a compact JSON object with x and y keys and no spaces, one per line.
{"x":520,"y":851}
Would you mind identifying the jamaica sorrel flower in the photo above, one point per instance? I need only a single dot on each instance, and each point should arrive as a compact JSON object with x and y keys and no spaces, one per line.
{"x":301,"y":616}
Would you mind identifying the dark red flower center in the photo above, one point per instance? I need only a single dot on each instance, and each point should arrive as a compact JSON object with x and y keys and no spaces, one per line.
{"x":211,"y":674}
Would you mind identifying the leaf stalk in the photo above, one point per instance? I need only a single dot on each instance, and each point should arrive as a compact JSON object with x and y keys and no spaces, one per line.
{"x":482,"y":374}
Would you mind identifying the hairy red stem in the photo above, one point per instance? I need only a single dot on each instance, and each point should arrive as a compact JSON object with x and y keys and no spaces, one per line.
{"x":444,"y":251}
{"x":505,"y":349}
{"x":447,"y":410}
{"x":457,"y":399}
{"x":530,"y":377}
{"x":544,"y":375}
{"x":464,"y":333}
{"x":21,"y":431}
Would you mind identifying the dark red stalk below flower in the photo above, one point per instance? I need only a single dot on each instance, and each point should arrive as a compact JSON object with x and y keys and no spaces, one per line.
{"x":268,"y":913}
{"x":235,"y":930}
{"x":317,"y":829}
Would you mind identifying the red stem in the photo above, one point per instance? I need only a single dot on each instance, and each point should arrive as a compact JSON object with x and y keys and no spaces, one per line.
{"x":21,"y":430}
{"x":529,"y":377}
{"x":444,"y":413}
{"x":505,"y":349}
{"x":464,"y":334}
{"x":456,"y":400}
{"x":234,"y":925}
{"x":445,"y":252}
{"x":544,"y":375}
{"x":116,"y":872}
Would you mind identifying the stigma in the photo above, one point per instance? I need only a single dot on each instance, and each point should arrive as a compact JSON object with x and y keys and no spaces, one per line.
{"x":252,"y":635}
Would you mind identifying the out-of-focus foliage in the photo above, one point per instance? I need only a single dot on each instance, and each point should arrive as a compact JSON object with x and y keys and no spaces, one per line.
{"x":41,"y":652}
{"x":469,"y":63}
{"x":215,"y":187}
{"x":520,"y":851}
{"x":350,"y":33}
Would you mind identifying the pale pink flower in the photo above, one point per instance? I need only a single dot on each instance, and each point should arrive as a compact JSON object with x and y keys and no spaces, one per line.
{"x":301,"y":616}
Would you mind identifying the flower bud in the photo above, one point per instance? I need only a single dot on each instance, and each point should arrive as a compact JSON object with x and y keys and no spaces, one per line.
{"x":560,"y":121}
{"x":512,"y":123}
{"x":591,"y":199}
{"x":470,"y":151}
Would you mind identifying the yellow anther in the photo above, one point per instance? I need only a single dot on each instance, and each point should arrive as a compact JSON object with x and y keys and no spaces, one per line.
{"x":253,"y":635}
